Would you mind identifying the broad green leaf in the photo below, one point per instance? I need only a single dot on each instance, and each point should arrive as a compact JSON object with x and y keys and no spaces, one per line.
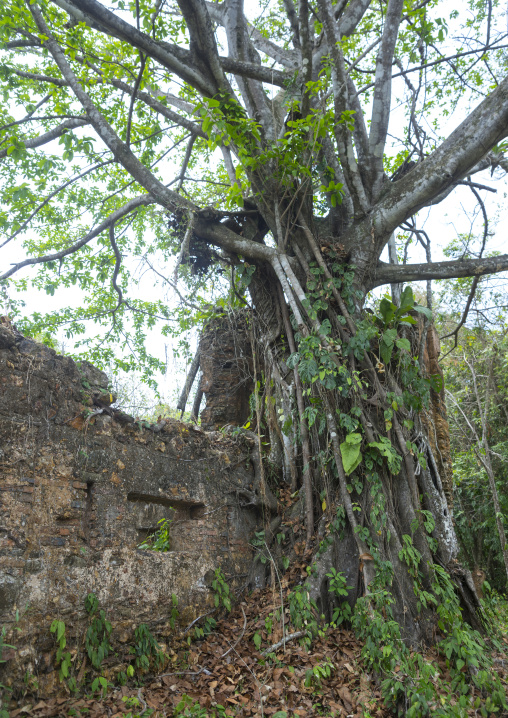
{"x":350,"y":452}
{"x":403,"y":344}
{"x":423,"y":310}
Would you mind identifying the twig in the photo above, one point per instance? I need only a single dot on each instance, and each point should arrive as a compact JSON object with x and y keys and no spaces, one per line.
{"x":186,"y":159}
{"x":285,"y":640}
{"x":95,"y":412}
{"x":142,"y":700}
{"x":239,"y":637}
{"x":198,"y":619}
{"x":134,"y":96}
{"x":188,"y":673}
{"x":474,"y":284}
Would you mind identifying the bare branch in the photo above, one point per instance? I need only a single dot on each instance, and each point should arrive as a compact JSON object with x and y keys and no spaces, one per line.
{"x":51,"y":135}
{"x":174,"y":58}
{"x":40,"y":78}
{"x":389,"y":273}
{"x":381,"y":105}
{"x":341,"y":104}
{"x":345,"y":27}
{"x":159,"y":107}
{"x":133,"y":204}
{"x":133,"y":97}
{"x":202,"y":42}
{"x":293,"y":21}
{"x":20,"y":44}
{"x":173,"y":286}
{"x":170,"y":56}
{"x":185,"y":163}
{"x":472,"y":291}
{"x":418,"y":68}
{"x":484,"y":128}
{"x":241,"y":49}
{"x":29,"y":118}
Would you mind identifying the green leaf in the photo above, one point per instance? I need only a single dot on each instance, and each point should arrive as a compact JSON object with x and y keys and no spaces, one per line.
{"x":403,"y":344}
{"x":407,"y":301}
{"x":423,"y":310}
{"x":350,"y":452}
{"x":386,"y":352}
{"x":387,"y":310}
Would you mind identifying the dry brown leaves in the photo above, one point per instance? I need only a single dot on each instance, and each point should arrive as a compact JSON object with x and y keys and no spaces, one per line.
{"x":244,"y":682}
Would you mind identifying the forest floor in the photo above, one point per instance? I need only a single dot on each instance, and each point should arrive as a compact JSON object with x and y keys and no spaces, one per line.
{"x":224,"y":674}
{"x":244,"y":666}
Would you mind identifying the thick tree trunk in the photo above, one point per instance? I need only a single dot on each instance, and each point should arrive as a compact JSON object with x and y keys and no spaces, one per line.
{"x":394,"y":506}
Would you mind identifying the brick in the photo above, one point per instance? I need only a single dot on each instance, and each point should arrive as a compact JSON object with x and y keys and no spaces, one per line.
{"x":64,"y":532}
{"x":77,"y":504}
{"x":28,"y":489}
{"x":52,"y":541}
{"x":7,"y":562}
{"x":79,"y":485}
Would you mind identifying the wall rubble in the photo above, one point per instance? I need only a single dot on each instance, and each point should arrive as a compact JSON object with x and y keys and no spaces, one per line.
{"x":78,"y":495}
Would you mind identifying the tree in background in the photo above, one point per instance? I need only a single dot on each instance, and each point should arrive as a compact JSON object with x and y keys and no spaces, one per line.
{"x":476,"y":389}
{"x":287,"y":189}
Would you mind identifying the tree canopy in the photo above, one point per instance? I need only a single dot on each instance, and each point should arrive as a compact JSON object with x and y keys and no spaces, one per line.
{"x":125,"y":123}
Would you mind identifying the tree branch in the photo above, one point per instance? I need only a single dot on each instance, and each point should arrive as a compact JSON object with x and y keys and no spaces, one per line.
{"x":170,"y":56}
{"x":51,"y":135}
{"x":472,"y":291}
{"x":484,"y":128}
{"x":381,"y":105}
{"x":426,"y":65}
{"x":174,"y":58}
{"x":389,"y":273}
{"x":39,"y":78}
{"x":141,"y":201}
{"x":164,"y":196}
{"x":133,"y":99}
{"x":202,"y":42}
{"x":159,"y":107}
{"x":50,"y":197}
{"x":29,"y":118}
{"x":341,"y":104}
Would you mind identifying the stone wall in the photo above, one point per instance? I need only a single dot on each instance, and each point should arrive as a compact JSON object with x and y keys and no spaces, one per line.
{"x":79,"y":491}
{"x":227,"y":371}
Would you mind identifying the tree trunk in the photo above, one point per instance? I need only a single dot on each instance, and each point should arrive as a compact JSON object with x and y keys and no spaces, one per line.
{"x":390,"y":512}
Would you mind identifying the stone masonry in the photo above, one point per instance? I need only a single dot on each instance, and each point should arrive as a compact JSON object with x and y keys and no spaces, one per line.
{"x":80,"y":490}
{"x":227,"y":370}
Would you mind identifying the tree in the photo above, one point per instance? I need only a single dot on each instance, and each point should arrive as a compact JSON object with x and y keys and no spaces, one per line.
{"x":300,"y":198}
{"x":476,"y":377}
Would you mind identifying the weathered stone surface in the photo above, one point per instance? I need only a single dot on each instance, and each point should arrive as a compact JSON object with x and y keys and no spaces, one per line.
{"x":227,"y":370}
{"x":78,"y":495}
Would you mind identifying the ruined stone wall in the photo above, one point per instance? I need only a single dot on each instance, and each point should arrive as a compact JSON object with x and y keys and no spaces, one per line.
{"x":79,"y":494}
{"x":227,"y":371}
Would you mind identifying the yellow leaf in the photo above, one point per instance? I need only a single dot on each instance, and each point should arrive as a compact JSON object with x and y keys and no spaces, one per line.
{"x":323,"y":505}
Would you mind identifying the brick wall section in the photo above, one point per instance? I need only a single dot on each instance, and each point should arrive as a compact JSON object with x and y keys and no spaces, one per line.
{"x":227,"y":371}
{"x":77,"y":498}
